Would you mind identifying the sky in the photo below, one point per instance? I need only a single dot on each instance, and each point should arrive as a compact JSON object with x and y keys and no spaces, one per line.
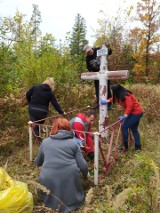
{"x":58,"y":16}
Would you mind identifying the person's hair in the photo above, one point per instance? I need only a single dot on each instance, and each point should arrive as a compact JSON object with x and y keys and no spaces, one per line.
{"x":50,"y":82}
{"x":119,"y":92}
{"x":90,"y":112}
{"x":87,"y":48}
{"x":60,"y":124}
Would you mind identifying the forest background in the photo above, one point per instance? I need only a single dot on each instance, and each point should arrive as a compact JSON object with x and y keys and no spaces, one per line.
{"x":27,"y":58}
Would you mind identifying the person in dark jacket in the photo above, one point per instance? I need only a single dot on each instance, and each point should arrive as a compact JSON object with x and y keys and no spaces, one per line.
{"x":132,"y":114}
{"x":38,"y":98}
{"x":93,"y":65}
{"x":62,"y":168}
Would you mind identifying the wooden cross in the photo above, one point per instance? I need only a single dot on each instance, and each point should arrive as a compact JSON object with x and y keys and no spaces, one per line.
{"x":103,"y":75}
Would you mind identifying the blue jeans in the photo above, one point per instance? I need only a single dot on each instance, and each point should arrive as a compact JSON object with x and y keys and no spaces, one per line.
{"x":131,"y":122}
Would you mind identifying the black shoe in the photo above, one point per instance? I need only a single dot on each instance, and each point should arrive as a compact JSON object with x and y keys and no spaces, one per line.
{"x":124,"y":146}
{"x":91,"y":155}
{"x":137,"y":147}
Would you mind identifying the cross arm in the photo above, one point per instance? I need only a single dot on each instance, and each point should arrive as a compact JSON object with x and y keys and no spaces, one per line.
{"x":120,"y":74}
{"x":110,"y":75}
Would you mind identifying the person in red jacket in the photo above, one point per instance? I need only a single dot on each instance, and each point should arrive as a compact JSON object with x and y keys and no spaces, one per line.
{"x":132,"y":114}
{"x":82,"y":124}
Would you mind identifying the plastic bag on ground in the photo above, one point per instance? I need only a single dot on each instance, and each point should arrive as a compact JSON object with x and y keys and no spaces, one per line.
{"x":14,"y":195}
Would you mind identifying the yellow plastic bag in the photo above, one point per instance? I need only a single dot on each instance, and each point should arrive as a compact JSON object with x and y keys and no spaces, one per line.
{"x":14,"y":195}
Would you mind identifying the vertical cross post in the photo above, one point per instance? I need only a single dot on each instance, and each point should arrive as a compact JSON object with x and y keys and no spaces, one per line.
{"x":103,"y":85}
{"x":103,"y":75}
{"x":96,"y":157}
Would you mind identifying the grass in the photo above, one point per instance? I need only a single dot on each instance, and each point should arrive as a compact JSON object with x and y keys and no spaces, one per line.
{"x":131,"y":185}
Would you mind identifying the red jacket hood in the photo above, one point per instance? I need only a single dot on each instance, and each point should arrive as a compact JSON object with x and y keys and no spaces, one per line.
{"x":82,"y":116}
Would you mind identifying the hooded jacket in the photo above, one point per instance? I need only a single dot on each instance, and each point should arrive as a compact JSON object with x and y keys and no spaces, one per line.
{"x":84,"y":127}
{"x":62,"y":164}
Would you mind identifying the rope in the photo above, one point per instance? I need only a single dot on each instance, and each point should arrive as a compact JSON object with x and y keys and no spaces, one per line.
{"x":48,"y":127}
{"x":105,"y":157}
{"x":59,"y":115}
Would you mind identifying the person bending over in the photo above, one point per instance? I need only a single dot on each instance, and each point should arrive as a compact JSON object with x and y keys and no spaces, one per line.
{"x":132,"y":114}
{"x":62,"y":167}
{"x":83,"y":123}
{"x":38,"y":98}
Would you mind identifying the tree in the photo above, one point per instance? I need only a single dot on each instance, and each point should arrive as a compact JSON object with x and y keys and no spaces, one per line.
{"x":11,"y":28}
{"x":148,"y":12}
{"x":8,"y":80}
{"x":11,"y":63}
{"x":78,"y":41}
{"x":111,"y":31}
{"x":36,"y":20}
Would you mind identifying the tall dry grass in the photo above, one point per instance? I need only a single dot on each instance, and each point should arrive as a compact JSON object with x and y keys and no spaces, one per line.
{"x":132,"y":185}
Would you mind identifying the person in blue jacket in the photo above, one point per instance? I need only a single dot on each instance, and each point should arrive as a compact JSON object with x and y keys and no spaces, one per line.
{"x":39,"y":97}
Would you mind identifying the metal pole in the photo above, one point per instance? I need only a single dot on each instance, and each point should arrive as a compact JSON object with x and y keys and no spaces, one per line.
{"x":30,"y":141}
{"x":96,"y":157}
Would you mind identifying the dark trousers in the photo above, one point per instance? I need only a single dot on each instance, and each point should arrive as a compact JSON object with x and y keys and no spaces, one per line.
{"x":131,"y":122}
{"x":37,"y":115}
{"x":96,"y":85}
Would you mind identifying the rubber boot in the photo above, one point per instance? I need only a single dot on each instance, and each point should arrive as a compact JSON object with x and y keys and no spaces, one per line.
{"x":137,"y":147}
